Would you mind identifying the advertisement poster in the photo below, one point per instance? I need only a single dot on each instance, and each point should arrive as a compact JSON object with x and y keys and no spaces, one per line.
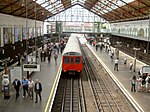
{"x":7,"y":35}
{"x":23,"y":33}
{"x":15,"y":72}
{"x":17,"y":34}
{"x":30,"y":32}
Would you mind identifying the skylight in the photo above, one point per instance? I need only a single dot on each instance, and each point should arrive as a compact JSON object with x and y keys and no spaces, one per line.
{"x":105,"y":6}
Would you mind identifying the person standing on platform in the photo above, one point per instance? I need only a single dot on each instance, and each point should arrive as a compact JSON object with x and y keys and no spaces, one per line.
{"x":17,"y":85}
{"x":31,"y":87}
{"x":130,"y":67}
{"x":147,"y":83}
{"x":38,"y":90}
{"x":116,"y":64}
{"x":55,"y":58}
{"x":44,"y":55}
{"x":133,"y":83}
{"x":25,"y":86}
{"x":139,"y":80}
{"x":49,"y":56}
{"x":41,"y":55}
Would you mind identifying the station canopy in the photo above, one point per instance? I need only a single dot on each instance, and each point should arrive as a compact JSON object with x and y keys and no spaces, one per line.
{"x":110,"y":10}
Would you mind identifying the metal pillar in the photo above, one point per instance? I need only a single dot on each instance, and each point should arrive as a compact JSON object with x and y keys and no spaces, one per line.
{"x":148,"y":34}
{"x":135,"y":53}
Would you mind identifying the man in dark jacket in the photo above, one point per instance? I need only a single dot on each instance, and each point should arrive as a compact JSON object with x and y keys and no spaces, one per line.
{"x":17,"y":85}
{"x":38,"y":90}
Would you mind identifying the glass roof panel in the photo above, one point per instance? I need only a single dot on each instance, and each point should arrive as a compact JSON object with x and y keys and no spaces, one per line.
{"x":109,"y":5}
{"x":76,"y":14}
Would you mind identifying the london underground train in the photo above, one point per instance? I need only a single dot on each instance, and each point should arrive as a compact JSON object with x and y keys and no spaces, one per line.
{"x":72,"y":56}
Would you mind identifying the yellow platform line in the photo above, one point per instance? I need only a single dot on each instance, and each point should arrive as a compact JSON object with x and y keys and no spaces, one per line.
{"x":52,"y":90}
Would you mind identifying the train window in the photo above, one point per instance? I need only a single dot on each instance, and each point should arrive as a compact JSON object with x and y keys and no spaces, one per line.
{"x":77,"y":60}
{"x":72,"y":60}
{"x":66,"y":60}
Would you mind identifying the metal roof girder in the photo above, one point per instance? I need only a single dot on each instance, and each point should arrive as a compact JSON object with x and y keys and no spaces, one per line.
{"x":132,"y":7}
{"x":121,"y":8}
{"x":9,"y":5}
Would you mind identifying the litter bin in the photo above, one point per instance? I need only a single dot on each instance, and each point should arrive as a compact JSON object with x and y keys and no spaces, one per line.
{"x":5,"y":83}
{"x":6,"y":92}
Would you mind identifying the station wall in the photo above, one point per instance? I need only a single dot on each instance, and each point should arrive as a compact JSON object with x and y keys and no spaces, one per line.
{"x":13,"y":29}
{"x":135,"y":29}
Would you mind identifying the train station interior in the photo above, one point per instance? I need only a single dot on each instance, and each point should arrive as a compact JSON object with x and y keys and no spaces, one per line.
{"x":82,"y":55}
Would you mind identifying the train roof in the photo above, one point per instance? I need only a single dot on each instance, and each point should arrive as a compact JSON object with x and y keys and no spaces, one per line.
{"x":72,"y":47}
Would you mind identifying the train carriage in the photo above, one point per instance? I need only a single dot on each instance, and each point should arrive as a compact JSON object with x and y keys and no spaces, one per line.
{"x":72,"y":56}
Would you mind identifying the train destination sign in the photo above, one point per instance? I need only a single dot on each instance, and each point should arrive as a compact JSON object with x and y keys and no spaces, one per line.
{"x":31,"y":67}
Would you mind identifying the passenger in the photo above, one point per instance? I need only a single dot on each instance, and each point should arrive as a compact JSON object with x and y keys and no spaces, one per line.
{"x":44,"y":55}
{"x":38,"y":90}
{"x":133,"y":83}
{"x":41,"y":55}
{"x":96,"y":46}
{"x":25,"y":86}
{"x":22,"y":59}
{"x":116,"y":64}
{"x":147,"y":83}
{"x":49,"y":57}
{"x":17,"y":85}
{"x":139,"y":80}
{"x":101,"y":48}
{"x":31,"y":87}
{"x":55,"y":58}
{"x":131,"y":66}
{"x":125,"y":62}
{"x":111,"y":55}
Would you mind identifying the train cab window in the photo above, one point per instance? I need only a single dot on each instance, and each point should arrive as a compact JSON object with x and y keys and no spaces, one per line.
{"x":77,"y":60}
{"x":66,"y":60}
{"x":72,"y":60}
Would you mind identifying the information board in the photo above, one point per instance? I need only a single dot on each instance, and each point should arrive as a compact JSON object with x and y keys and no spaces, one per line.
{"x":31,"y":67}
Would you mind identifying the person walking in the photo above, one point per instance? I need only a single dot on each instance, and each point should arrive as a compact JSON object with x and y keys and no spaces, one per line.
{"x":130,"y":66}
{"x":116,"y":64}
{"x":125,"y":62}
{"x":38,"y":90}
{"x":17,"y":85}
{"x":133,"y":83}
{"x":25,"y":86}
{"x":31,"y":87}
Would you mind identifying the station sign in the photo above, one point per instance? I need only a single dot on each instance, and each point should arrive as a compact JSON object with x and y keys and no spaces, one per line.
{"x":146,"y":69}
{"x":31,"y":67}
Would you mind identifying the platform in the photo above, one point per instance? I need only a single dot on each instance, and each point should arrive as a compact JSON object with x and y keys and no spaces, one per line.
{"x":123,"y":76}
{"x":47,"y":77}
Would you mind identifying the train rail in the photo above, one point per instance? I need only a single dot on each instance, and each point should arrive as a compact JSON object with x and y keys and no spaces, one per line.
{"x":69,"y":95}
{"x":102,"y":93}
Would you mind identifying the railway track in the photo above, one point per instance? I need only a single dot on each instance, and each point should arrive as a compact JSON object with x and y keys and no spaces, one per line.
{"x":69,"y":95}
{"x":103,"y":97}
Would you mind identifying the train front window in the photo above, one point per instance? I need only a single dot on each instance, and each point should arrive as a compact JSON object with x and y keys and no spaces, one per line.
{"x":72,"y":60}
{"x":66,"y":60}
{"x":77,"y":60}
